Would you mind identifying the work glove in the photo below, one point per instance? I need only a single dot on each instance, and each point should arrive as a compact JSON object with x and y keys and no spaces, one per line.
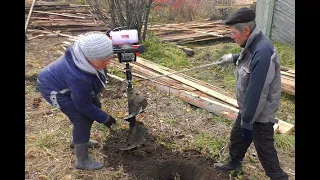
{"x":247,"y":135}
{"x":227,"y":58}
{"x":109,"y":122}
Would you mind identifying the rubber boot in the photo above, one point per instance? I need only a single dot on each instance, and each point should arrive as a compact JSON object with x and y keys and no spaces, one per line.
{"x":91,"y":144}
{"x":229,"y":166}
{"x":82,"y":159}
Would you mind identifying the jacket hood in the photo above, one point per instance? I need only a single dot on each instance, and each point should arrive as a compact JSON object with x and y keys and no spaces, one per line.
{"x":82,"y":63}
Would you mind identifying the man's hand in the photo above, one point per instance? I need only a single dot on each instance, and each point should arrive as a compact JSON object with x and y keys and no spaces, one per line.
{"x":110,"y":122}
{"x":247,"y":135}
{"x":227,"y":58}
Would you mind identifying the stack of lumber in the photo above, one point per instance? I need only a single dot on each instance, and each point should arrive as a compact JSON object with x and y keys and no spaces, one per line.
{"x":288,"y":81}
{"x":57,"y":18}
{"x":191,"y":32}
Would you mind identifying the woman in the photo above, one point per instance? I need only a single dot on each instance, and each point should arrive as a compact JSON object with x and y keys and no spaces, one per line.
{"x":72,"y":83}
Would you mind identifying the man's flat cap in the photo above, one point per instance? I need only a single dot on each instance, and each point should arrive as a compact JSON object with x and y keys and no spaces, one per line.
{"x":242,"y":15}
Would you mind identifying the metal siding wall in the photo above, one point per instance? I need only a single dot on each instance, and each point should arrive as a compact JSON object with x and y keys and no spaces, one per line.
{"x":283,"y":21}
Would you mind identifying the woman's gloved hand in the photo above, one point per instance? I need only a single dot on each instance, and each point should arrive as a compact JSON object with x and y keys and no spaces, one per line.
{"x":110,"y":121}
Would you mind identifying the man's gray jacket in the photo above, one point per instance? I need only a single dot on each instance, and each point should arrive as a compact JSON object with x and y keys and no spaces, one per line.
{"x":258,"y":85}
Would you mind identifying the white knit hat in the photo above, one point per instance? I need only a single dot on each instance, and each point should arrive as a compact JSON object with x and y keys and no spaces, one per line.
{"x":96,"y":45}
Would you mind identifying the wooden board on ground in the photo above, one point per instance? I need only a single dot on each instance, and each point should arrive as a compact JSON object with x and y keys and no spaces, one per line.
{"x":285,"y":127}
{"x":276,"y":128}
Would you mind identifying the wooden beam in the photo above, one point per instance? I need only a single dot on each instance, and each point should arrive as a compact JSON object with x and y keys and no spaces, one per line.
{"x":49,"y":32}
{"x":287,"y":74}
{"x":288,"y":86}
{"x":234,"y":6}
{"x":285,"y":127}
{"x":276,"y":128}
{"x":66,"y":15}
{"x":34,"y":37}
{"x":29,"y":15}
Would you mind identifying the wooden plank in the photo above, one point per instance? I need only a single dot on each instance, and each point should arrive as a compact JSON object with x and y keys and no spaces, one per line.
{"x":287,"y":74}
{"x":40,"y":35}
{"x":285,"y":127}
{"x":190,"y":83}
{"x":233,"y":6}
{"x":198,"y":40}
{"x":288,"y":86}
{"x":288,"y":78}
{"x":276,"y":128}
{"x":209,"y":33}
{"x":66,"y":15}
{"x":50,"y":32}
{"x":291,"y":71}
{"x":197,"y":30}
{"x":28,"y":18}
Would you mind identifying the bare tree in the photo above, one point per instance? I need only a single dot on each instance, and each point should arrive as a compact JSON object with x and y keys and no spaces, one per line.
{"x":130,"y":13}
{"x":96,"y":8}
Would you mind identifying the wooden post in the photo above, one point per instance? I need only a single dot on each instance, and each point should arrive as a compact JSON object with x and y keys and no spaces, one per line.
{"x":264,"y":14}
{"x":28,"y":18}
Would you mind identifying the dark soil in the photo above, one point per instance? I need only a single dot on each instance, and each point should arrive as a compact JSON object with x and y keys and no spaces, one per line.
{"x":151,"y":161}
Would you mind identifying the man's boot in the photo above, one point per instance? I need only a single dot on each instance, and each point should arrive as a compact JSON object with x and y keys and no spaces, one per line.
{"x":82,"y":159}
{"x":91,"y":144}
{"x":229,"y":166}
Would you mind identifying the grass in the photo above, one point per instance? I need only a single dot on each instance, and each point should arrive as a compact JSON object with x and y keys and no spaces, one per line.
{"x":165,"y":54}
{"x":222,"y":120}
{"x":209,"y":145}
{"x":117,"y":72}
{"x":284,"y":142}
{"x":286,"y":54}
{"x":286,"y":111}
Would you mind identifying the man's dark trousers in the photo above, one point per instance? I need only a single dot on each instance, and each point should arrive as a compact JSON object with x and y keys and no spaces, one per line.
{"x":262,"y":135}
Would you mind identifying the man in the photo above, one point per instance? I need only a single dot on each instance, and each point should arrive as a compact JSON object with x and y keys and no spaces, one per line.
{"x":72,"y":84}
{"x":258,"y":92}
